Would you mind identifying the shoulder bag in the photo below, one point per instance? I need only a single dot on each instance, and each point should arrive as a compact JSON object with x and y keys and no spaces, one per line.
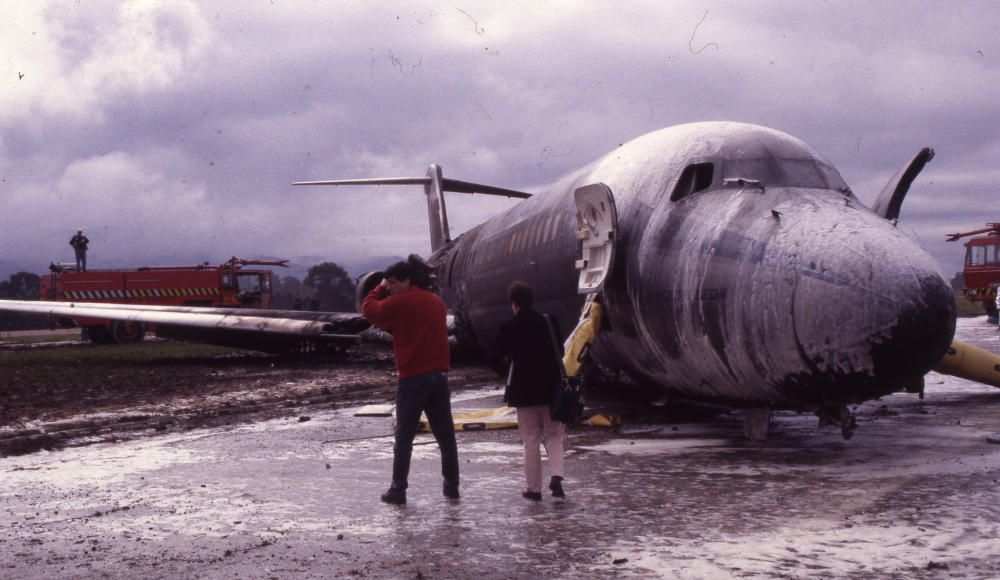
{"x":566,"y":405}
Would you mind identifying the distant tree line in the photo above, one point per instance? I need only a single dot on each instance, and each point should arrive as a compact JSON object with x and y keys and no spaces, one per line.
{"x":326,"y":287}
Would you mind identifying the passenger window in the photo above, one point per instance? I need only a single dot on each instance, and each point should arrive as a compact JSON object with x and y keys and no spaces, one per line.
{"x":694,"y":178}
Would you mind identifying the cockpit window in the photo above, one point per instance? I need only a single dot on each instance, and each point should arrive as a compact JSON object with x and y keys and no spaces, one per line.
{"x":775,"y":172}
{"x":832,"y":178}
{"x":695,"y":177}
{"x":802,"y":172}
{"x":761,"y":170}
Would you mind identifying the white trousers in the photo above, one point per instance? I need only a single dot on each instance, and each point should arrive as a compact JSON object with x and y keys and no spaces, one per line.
{"x":535,"y":425}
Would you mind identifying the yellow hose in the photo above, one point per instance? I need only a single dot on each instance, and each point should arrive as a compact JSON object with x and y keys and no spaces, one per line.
{"x":971,"y":362}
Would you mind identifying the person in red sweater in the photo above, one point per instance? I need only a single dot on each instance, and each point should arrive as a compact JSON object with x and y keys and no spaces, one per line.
{"x":416,"y":318}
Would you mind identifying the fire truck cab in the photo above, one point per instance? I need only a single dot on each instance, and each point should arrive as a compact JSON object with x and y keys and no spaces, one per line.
{"x":228,"y":285}
{"x":982,"y":266}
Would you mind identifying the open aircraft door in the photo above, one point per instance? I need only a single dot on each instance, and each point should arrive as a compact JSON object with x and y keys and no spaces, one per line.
{"x":596,"y":229}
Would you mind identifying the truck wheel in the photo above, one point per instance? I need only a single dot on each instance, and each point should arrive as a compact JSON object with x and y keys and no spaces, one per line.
{"x":127,"y":331}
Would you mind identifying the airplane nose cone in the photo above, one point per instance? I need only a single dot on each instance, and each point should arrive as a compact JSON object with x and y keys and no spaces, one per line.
{"x":868,"y":303}
{"x":922,"y":332}
{"x":795,"y":295}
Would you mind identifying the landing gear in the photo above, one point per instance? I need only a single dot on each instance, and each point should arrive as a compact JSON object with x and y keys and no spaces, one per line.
{"x":756,"y":423}
{"x":838,"y":416}
{"x":917,"y":386}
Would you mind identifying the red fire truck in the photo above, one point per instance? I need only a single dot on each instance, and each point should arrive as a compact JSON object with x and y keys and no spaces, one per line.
{"x":227,"y":285}
{"x":982,"y":266}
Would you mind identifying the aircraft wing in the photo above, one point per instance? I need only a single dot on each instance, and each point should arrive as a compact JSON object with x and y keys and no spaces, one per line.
{"x":264,"y":330}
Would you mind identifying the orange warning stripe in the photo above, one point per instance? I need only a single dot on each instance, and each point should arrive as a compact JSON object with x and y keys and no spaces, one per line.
{"x":141,"y":293}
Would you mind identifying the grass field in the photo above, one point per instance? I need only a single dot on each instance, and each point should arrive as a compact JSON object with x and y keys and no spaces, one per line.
{"x":967,"y":307}
{"x":39,"y":336}
{"x":92,"y":363}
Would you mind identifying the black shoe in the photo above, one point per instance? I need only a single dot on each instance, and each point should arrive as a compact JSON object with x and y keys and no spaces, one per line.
{"x":451,"y":491}
{"x":394,"y":496}
{"x":556,"y":486}
{"x":532,"y":495}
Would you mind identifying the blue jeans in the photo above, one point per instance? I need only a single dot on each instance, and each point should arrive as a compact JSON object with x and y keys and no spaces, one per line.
{"x":427,"y":393}
{"x":81,"y":260}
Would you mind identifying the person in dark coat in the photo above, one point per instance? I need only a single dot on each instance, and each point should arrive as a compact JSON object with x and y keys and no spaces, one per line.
{"x":80,"y":245}
{"x":526,"y":351}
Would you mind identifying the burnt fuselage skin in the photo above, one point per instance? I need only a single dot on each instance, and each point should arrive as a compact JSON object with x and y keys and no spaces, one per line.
{"x":745,"y":272}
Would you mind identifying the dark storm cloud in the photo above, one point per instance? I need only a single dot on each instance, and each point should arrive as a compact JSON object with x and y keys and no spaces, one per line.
{"x":174,"y":130}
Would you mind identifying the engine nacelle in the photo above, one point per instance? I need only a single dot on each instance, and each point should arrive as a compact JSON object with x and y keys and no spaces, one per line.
{"x":366,"y":283}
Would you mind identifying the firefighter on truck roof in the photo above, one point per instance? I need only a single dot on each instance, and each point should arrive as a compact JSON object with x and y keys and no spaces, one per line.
{"x":80,"y":244}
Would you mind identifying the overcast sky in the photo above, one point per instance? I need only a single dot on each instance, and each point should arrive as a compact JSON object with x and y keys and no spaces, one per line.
{"x":172,"y":130}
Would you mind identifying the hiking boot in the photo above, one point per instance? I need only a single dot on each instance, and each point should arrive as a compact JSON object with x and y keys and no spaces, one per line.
{"x":394,"y":496}
{"x":532,"y":495}
{"x":451,"y":491}
{"x":556,"y":486}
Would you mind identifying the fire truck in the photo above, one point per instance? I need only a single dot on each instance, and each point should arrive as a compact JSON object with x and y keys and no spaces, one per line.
{"x":228,"y":285}
{"x":982,"y":266}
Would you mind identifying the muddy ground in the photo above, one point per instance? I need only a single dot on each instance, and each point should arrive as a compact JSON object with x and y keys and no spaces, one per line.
{"x":224,"y":465}
{"x":58,"y":393}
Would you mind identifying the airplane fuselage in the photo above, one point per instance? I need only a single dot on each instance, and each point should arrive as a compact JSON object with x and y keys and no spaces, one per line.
{"x":745,"y":271}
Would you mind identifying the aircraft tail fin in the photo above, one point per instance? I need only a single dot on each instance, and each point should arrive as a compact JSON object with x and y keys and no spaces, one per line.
{"x":434,"y":187}
{"x":890,"y":200}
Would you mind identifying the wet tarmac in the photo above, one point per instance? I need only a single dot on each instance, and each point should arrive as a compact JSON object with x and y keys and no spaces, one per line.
{"x":913,"y":494}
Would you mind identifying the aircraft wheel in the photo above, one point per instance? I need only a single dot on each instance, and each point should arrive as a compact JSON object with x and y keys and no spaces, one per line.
{"x":129,"y":331}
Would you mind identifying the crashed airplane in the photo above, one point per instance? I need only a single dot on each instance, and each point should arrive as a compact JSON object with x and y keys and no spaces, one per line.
{"x":733,"y":262}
